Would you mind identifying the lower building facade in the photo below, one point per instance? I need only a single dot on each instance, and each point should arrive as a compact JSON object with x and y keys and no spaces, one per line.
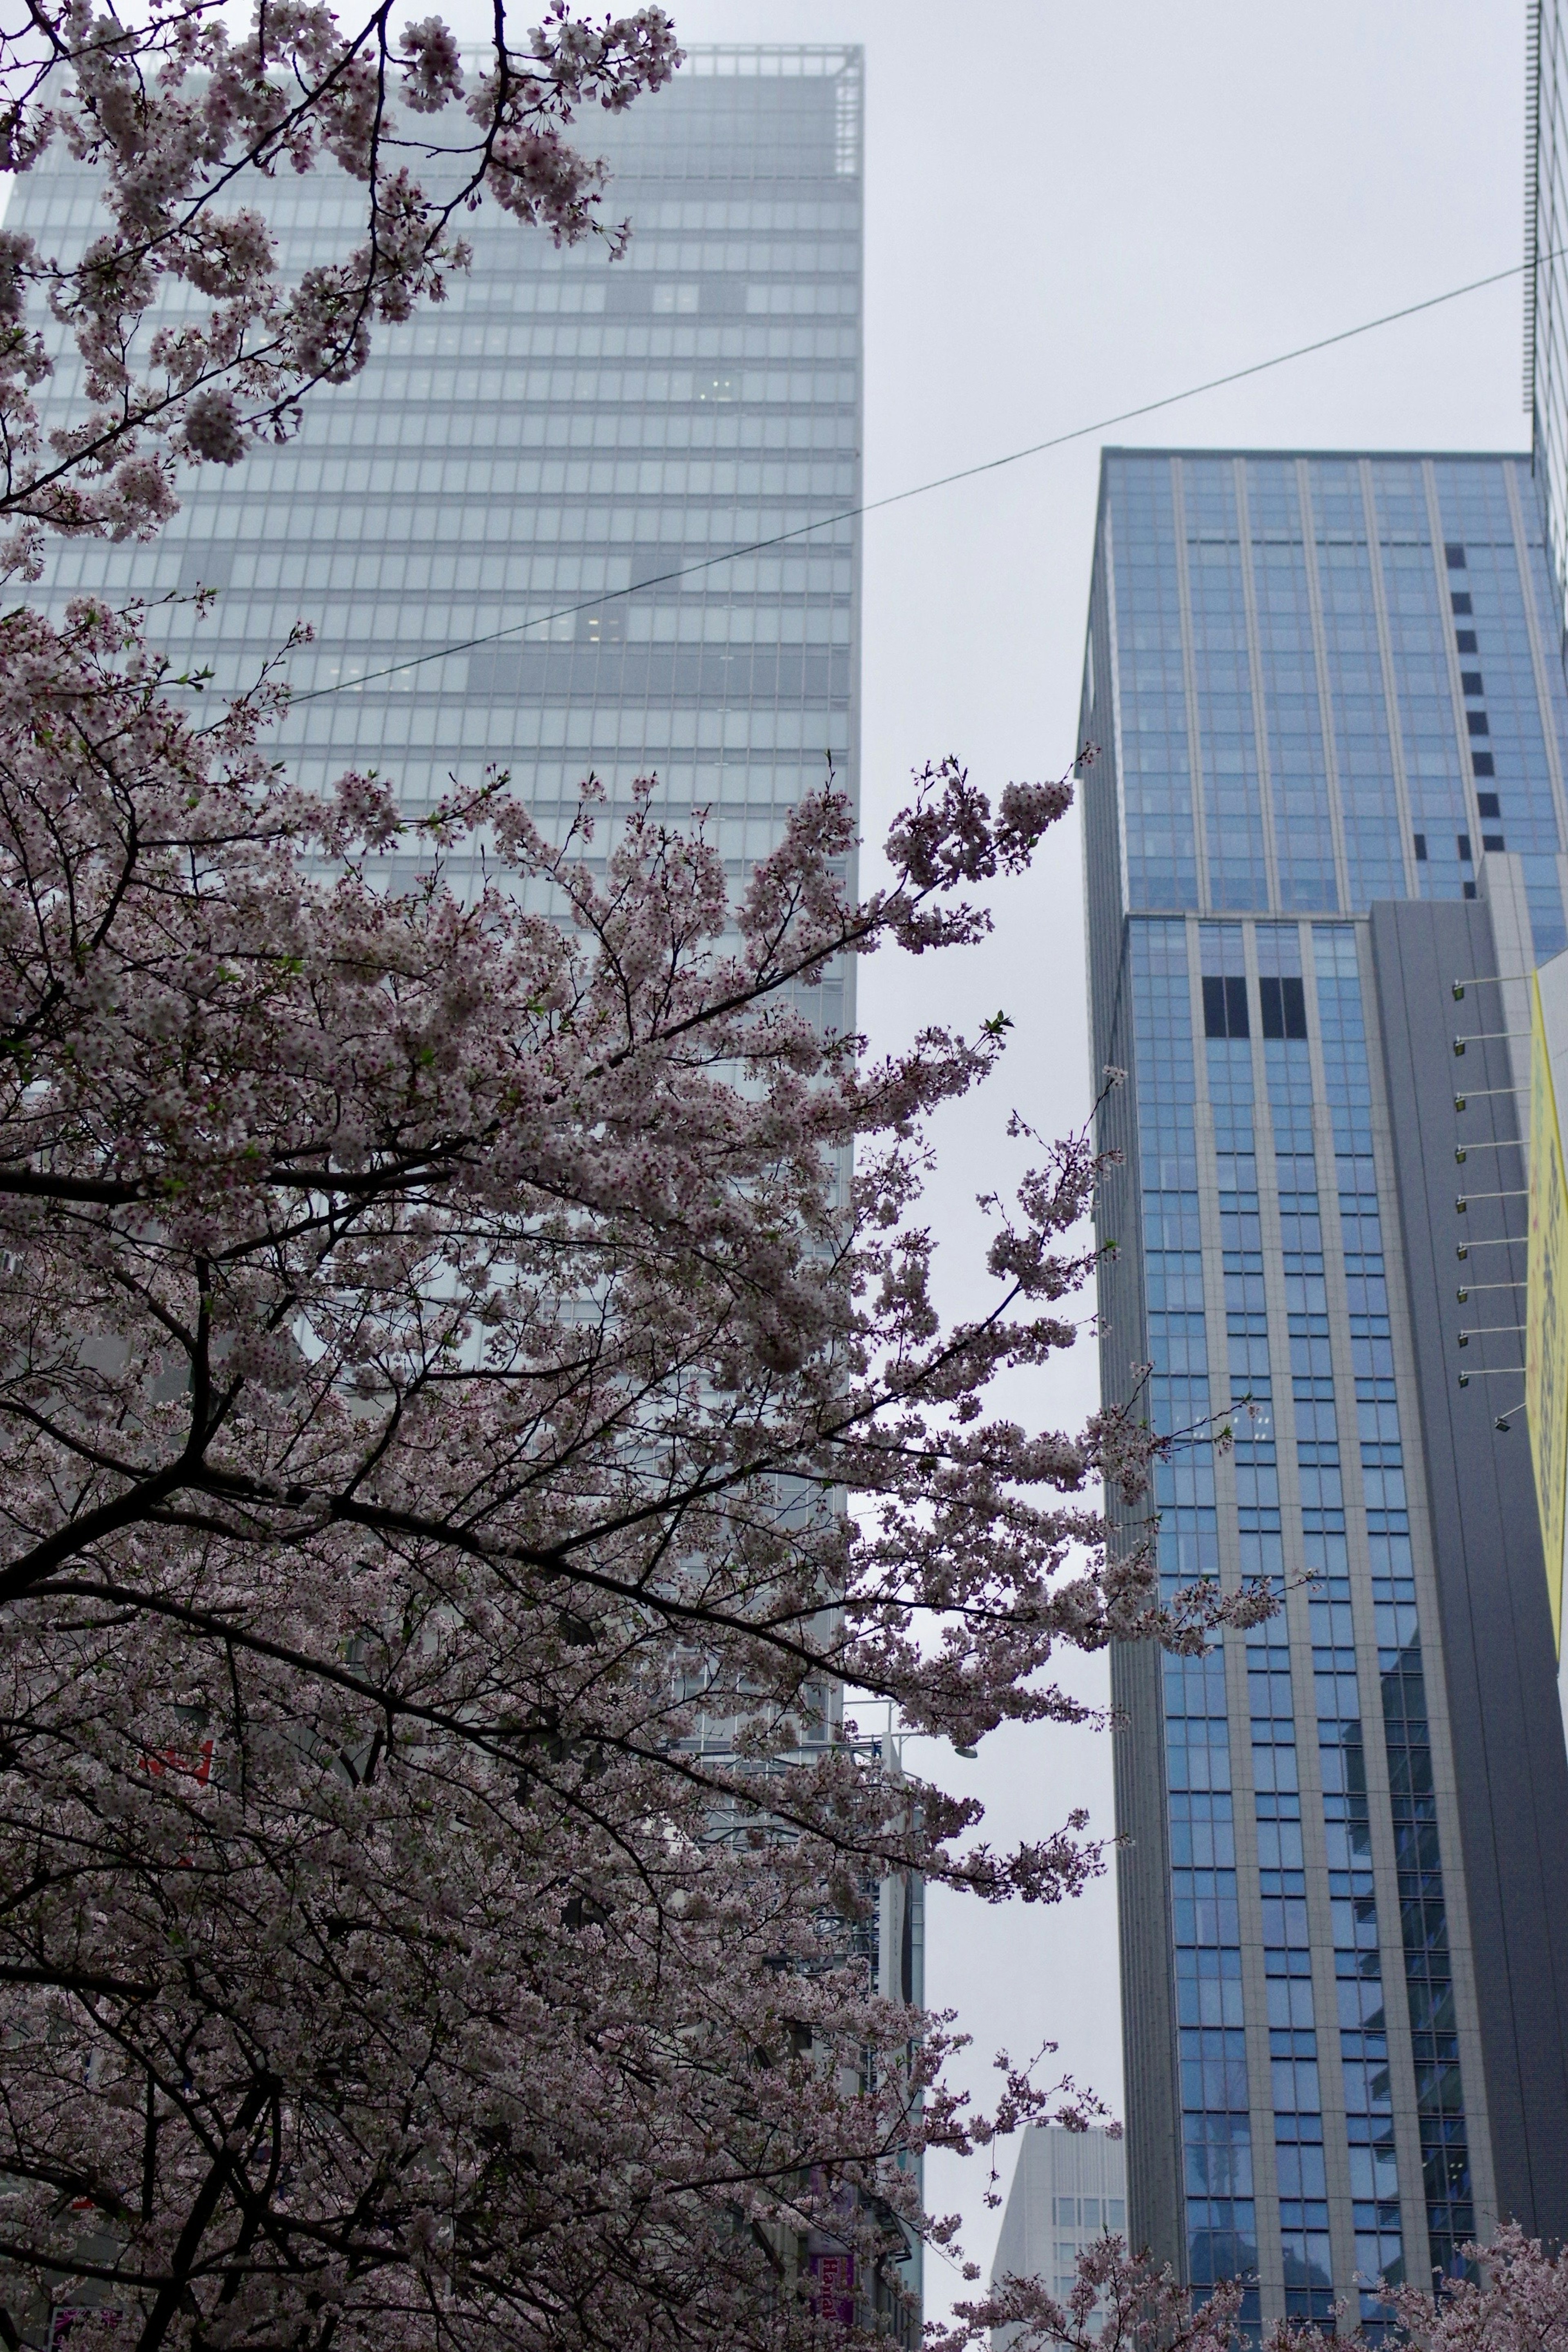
{"x":1343,"y":1888}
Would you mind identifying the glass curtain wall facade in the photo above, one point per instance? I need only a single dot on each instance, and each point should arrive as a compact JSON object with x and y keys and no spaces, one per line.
{"x":1314,"y":683}
{"x":561,"y":427}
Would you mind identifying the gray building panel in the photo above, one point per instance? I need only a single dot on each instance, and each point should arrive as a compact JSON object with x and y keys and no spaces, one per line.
{"x":1148,"y":2015}
{"x":1510,"y":1770}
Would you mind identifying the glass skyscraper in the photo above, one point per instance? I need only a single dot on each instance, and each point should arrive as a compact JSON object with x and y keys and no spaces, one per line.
{"x":561,"y":427}
{"x":1331,"y":730}
{"x":568,"y":452}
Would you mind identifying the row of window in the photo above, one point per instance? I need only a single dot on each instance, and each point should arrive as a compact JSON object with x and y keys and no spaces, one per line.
{"x":1472,"y":495}
{"x":387,"y":726}
{"x":736,"y":529}
{"x":1089,"y":2213}
{"x":308,"y":574}
{"x":749,"y":789}
{"x":59,"y":199}
{"x":796,"y":258}
{"x":342,"y":625}
{"x":416,"y":574}
{"x":271,"y":479}
{"x":1158,"y":720}
{"x":707,"y":432}
{"x":593,"y":342}
{"x":1203,"y":1884}
{"x":344,"y":535}
{"x":1281,"y":1005}
{"x":512,"y":700}
{"x":666,"y":213}
{"x":454,"y":392}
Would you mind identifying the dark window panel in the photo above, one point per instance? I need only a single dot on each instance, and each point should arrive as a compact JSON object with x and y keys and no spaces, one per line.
{"x":1295,"y":997}
{"x":1470,"y":679}
{"x":1493,"y":841}
{"x":1462,"y":842}
{"x":1420,"y":839}
{"x":1236,"y":1007}
{"x":1224,"y":1008}
{"x":1477,"y":722}
{"x":1481,"y":762}
{"x":1456,"y":557}
{"x":1465,"y":641}
{"x":1461,"y":603}
{"x":1487,"y":804}
{"x":1283,"y":1007}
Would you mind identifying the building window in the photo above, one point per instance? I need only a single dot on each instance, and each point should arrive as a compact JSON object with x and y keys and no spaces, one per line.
{"x":1224,"y":1008}
{"x":1283,"y":1005}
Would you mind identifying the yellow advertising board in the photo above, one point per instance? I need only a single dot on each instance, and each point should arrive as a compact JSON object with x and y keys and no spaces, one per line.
{"x":1546,"y":1312}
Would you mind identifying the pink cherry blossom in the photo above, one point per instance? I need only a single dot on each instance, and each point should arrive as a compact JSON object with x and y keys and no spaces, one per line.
{"x":185,"y":122}
{"x":1515,"y":2300}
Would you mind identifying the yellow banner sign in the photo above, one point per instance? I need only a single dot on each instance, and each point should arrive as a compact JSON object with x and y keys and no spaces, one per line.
{"x":1546,"y":1312}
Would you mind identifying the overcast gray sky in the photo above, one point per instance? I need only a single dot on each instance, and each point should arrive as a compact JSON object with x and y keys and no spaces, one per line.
{"x":1071,"y":209}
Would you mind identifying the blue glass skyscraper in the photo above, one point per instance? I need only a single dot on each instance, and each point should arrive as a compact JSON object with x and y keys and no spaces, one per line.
{"x":1332,"y":730}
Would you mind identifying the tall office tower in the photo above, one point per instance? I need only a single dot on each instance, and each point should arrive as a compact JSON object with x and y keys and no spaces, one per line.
{"x":1069,"y":2188}
{"x":1333,"y":730}
{"x":1546,"y":272}
{"x":578,"y":445}
{"x":561,"y":427}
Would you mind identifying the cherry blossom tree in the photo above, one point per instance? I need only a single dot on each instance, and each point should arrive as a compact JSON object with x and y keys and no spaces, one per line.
{"x":1516,"y":2302}
{"x":192,"y":343}
{"x":1118,"y":2302}
{"x":438,"y":1340}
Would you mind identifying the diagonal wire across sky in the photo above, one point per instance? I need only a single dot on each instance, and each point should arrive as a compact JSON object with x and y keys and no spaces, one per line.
{"x":920,"y":489}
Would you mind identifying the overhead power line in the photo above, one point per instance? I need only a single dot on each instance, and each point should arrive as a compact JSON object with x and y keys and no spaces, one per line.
{"x":918,"y":490}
